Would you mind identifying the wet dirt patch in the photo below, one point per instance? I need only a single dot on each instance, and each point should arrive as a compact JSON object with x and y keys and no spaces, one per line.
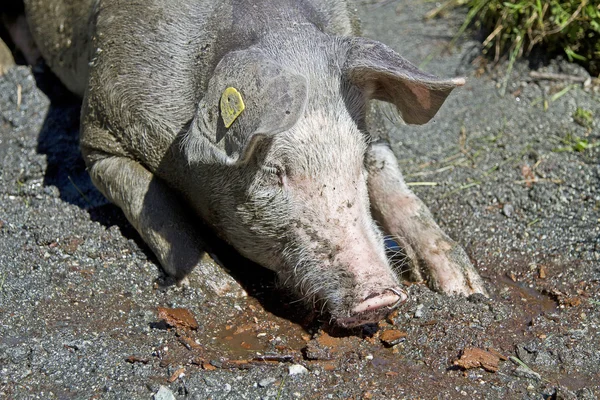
{"x":256,"y":331}
{"x":533,"y":302}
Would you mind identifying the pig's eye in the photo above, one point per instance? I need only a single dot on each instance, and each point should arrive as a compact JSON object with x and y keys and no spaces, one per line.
{"x":276,"y":172}
{"x":269,"y":169}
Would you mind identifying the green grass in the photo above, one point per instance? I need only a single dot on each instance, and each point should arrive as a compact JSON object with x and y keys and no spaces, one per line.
{"x":573,"y":143}
{"x":515,"y":27}
{"x":583,"y":117}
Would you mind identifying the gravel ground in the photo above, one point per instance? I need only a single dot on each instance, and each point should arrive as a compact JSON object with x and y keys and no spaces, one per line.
{"x":507,"y":177}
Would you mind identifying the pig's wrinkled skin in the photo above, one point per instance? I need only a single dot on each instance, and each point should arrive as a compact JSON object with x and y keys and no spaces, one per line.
{"x":296,"y":183}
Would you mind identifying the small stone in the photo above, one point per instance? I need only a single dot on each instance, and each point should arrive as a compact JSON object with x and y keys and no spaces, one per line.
{"x":176,"y":375}
{"x":542,"y":272}
{"x":508,"y":210}
{"x":527,"y":373}
{"x":164,"y":394}
{"x":297,"y":369}
{"x":329,"y":367}
{"x":208,"y":367}
{"x":266,"y":381}
{"x":392,"y":337}
{"x":419,"y":312}
{"x":70,"y":246}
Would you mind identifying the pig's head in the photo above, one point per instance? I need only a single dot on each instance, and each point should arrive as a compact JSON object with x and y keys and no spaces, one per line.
{"x":286,"y":181}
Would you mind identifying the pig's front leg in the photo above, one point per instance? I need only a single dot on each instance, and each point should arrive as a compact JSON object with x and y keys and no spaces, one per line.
{"x":403,"y":215}
{"x":160,"y":218}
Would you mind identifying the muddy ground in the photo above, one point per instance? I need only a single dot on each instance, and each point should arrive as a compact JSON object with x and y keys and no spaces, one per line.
{"x":511,"y":178}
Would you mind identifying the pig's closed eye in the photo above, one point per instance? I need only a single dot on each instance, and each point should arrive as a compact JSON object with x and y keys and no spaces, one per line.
{"x":269,"y":169}
{"x":277,"y":172}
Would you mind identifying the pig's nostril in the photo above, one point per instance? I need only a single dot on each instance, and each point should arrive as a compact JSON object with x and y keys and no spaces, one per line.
{"x":402,"y":296}
{"x":374,"y":307}
{"x":389,"y":299}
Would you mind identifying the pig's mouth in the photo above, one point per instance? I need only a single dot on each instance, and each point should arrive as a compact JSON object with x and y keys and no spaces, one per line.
{"x":374,"y":308}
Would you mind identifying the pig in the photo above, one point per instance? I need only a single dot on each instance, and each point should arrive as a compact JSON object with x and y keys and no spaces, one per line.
{"x":255,"y":116}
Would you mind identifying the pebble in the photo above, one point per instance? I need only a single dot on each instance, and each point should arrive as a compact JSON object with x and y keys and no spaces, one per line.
{"x":297,"y":369}
{"x":527,"y":373}
{"x":508,"y":210}
{"x":419,"y":312}
{"x":392,"y":337}
{"x":227,"y":388}
{"x":164,"y":393}
{"x":267,"y":381}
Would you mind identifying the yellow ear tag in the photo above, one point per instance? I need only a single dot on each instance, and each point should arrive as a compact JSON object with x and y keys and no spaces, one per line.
{"x":232,"y":105}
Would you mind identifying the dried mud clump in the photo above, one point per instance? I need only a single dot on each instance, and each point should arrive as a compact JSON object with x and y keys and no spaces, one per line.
{"x":179,"y":318}
{"x":473,"y":357}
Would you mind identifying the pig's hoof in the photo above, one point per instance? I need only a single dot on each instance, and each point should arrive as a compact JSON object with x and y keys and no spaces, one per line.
{"x":454,"y":274}
{"x":464,"y":285}
{"x":374,"y":308}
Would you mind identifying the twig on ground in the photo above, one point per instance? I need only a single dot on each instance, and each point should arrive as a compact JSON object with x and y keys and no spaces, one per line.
{"x":19,"y":89}
{"x":560,"y":94}
{"x":79,"y":191}
{"x":461,"y":188}
{"x":535,"y":221}
{"x":421,"y":183}
{"x":425,"y":173}
{"x":538,"y":180}
{"x":549,"y":76}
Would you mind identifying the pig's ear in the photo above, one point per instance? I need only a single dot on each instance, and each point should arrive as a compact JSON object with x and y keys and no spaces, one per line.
{"x":382,"y":74}
{"x":249,"y":98}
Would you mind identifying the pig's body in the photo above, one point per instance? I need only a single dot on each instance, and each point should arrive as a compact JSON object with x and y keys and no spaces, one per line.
{"x":292,"y":181}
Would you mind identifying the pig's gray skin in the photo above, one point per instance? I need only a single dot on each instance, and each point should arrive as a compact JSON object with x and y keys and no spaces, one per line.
{"x":292,"y":183}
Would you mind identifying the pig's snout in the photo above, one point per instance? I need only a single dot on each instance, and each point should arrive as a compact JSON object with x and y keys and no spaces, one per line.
{"x":374,"y":308}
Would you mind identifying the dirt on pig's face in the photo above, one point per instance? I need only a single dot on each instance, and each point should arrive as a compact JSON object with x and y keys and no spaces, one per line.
{"x":305,"y":214}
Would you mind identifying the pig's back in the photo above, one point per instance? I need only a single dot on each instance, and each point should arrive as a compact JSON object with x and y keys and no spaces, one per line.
{"x":162,"y":53}
{"x":60,"y":29}
{"x":145,"y":64}
{"x":70,"y":32}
